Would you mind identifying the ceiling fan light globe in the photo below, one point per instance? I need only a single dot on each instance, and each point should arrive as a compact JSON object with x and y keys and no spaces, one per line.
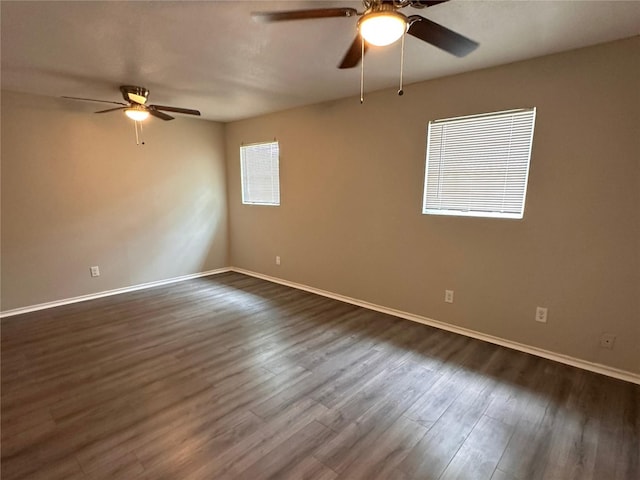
{"x":382,"y":28}
{"x":136,"y":114}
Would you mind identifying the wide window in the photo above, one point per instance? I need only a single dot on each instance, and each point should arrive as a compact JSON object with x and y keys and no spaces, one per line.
{"x":479,"y":165}
{"x":260,"y":171}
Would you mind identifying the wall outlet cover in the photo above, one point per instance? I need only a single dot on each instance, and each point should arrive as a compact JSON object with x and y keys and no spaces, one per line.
{"x":541,"y":314}
{"x":448,"y":296}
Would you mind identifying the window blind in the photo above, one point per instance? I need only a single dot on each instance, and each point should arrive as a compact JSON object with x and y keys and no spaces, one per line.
{"x":260,"y":171}
{"x":479,"y":165}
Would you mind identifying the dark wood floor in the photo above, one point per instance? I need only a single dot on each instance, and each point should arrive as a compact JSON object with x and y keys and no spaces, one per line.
{"x":230,"y":377}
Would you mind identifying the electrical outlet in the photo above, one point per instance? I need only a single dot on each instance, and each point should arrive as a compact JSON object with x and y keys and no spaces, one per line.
{"x":95,"y":271}
{"x":448,"y":296}
{"x":277,"y":259}
{"x":541,"y":314}
{"x":607,"y":340}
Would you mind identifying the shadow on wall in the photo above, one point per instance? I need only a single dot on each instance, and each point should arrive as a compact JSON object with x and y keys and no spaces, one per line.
{"x":78,"y":192}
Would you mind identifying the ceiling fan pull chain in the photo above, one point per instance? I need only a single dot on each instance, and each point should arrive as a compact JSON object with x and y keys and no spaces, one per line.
{"x":401,"y":92}
{"x":362,"y":71}
{"x":141,"y":139}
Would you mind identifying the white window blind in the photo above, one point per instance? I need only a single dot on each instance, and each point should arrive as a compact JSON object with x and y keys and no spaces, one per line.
{"x":260,"y":171}
{"x":479,"y":165}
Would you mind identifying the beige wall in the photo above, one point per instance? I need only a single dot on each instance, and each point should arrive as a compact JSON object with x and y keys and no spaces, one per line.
{"x":77,"y":191}
{"x":352,"y":179}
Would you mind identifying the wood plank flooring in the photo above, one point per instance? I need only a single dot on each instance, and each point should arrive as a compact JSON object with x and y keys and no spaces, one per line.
{"x":231,"y":377}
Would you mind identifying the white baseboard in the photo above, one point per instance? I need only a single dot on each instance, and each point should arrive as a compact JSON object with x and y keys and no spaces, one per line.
{"x":107,"y":293}
{"x":558,"y":357}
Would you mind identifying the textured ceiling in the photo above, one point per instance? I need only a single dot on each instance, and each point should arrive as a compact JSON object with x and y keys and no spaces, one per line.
{"x":213,"y":57}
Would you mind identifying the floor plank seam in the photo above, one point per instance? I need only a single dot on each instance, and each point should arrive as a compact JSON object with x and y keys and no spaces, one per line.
{"x":234,"y":377}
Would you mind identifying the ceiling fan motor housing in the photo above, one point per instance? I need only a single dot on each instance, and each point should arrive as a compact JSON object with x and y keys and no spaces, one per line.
{"x":382,"y":7}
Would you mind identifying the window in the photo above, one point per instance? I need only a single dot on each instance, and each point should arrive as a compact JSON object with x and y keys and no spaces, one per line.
{"x":479,"y":165}
{"x":260,"y":172}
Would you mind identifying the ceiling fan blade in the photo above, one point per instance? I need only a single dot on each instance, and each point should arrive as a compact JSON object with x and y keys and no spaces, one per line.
{"x":440,"y":36}
{"x":111,"y":109}
{"x":354,"y":54}
{"x":303,"y":14}
{"x":186,"y":111}
{"x":159,"y":114}
{"x":94,"y":100}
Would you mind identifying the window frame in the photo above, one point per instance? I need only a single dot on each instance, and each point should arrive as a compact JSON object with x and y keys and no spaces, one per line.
{"x":471,"y":193}
{"x":244,"y":178}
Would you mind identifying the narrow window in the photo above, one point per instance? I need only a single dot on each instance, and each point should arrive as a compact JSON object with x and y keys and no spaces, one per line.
{"x":260,"y":172}
{"x":479,"y":165}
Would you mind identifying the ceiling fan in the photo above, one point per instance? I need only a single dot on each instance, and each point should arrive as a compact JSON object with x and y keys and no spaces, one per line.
{"x":381,"y":23}
{"x":136,"y":107}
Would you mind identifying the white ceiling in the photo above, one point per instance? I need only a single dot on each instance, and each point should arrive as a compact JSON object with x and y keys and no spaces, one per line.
{"x":213,"y":57}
